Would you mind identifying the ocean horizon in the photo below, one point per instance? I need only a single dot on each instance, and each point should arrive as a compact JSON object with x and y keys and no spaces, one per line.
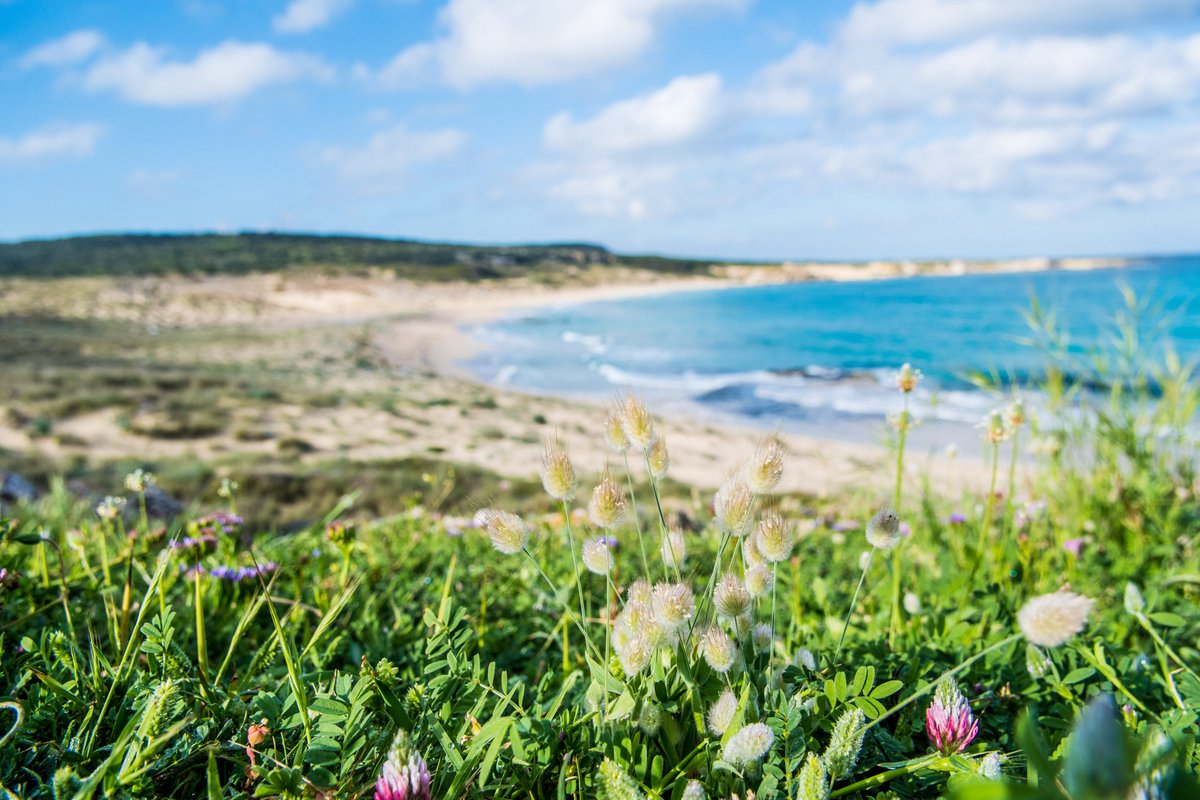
{"x":820,"y":358}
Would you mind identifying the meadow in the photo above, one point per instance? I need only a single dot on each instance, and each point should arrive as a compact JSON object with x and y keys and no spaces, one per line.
{"x":626,"y":636}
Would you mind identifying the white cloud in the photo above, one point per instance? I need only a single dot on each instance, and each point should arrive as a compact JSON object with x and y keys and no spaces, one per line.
{"x":683,"y":109}
{"x":909,"y":22}
{"x":69,"y":49}
{"x":389,"y":155}
{"x":302,"y":16}
{"x":414,"y":66}
{"x":225,"y":73}
{"x":66,"y":140}
{"x":534,"y":42}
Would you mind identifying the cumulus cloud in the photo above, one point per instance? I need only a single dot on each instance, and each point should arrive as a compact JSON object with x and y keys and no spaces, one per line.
{"x":225,"y":73}
{"x":683,"y":109}
{"x":302,"y":16}
{"x":387,"y":156}
{"x":51,"y":142}
{"x":69,"y":49}
{"x":534,"y":42}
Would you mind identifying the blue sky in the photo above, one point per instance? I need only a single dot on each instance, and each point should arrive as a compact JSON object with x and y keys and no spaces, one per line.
{"x":723,"y":128}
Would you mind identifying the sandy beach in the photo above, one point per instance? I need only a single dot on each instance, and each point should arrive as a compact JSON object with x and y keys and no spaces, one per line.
{"x":418,"y":331}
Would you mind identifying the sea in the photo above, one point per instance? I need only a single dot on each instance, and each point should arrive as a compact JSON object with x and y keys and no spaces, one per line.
{"x":821,"y":358}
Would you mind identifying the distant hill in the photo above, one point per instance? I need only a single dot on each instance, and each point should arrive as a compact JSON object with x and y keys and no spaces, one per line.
{"x":240,"y":253}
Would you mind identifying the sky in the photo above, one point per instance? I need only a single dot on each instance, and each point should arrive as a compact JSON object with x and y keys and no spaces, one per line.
{"x":756,"y":129}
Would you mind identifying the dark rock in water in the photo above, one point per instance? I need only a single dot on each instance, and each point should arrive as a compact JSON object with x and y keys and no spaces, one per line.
{"x":14,"y":488}
{"x":161,"y":505}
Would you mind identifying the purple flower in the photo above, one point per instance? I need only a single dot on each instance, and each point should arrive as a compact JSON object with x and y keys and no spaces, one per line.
{"x":1074,"y":546}
{"x":405,"y":775}
{"x":948,"y":721}
{"x":842,"y":526}
{"x":957,"y":518}
{"x":905,"y":530}
{"x":204,"y":541}
{"x":212,"y":524}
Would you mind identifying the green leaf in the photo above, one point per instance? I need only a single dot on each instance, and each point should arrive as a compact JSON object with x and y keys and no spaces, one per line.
{"x":1167,"y":619}
{"x":886,"y":689}
{"x":1077,"y":675}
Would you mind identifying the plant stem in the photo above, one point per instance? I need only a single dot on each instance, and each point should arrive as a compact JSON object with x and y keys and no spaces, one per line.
{"x":574,"y":560}
{"x":894,"y":622}
{"x":566,"y":608}
{"x":884,"y":777}
{"x":637,"y":521}
{"x":853,"y":603}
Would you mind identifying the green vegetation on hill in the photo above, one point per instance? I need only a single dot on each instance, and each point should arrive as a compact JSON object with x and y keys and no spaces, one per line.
{"x":241,"y":253}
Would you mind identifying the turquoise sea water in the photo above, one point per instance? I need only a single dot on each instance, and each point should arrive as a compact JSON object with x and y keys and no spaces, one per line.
{"x":822,"y":356}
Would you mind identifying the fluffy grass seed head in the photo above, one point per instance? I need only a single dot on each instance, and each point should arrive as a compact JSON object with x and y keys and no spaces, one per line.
{"x":718,"y":649}
{"x":607,"y":504}
{"x":845,"y":743}
{"x":694,"y":791}
{"x":657,"y":458}
{"x":635,"y":651}
{"x":994,"y":429}
{"x":614,"y":432}
{"x":1050,"y":620}
{"x":746,"y":747}
{"x":597,"y":557}
{"x":908,"y":378}
{"x":673,"y":605}
{"x":720,"y":713}
{"x":558,"y":476}
{"x":814,"y":780}
{"x":762,"y":637}
{"x":1015,"y":414}
{"x":883,"y":529}
{"x":730,"y":597}
{"x":764,"y":469}
{"x":615,"y":783}
{"x":639,"y":593}
{"x":508,"y":532}
{"x":774,"y":539}
{"x":734,"y":506}
{"x":650,"y":718}
{"x":139,"y":479}
{"x":636,"y":422}
{"x":674,"y":550}
{"x":110,"y":508}
{"x":759,"y":580}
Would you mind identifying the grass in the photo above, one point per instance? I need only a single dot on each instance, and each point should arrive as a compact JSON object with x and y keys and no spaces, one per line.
{"x":279,"y":655}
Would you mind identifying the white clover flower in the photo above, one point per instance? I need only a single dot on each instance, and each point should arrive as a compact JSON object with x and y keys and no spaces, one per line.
{"x":774,"y":540}
{"x":558,"y":476}
{"x":650,"y":720}
{"x":805,"y":658}
{"x":1049,"y":620}
{"x":912,"y":603}
{"x":990,"y":766}
{"x":607,"y":504}
{"x":694,"y":791}
{"x":718,"y":649}
{"x":883,"y":531}
{"x":763,"y":471}
{"x":508,"y":532}
{"x":674,"y":550}
{"x":759,"y":580}
{"x":734,"y":506}
{"x":720,"y":713}
{"x":597,"y":557}
{"x":748,"y":745}
{"x":673,"y":605}
{"x":110,"y":508}
{"x":730,"y":597}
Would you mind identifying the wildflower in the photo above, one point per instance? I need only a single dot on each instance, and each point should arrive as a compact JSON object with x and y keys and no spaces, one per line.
{"x":902,"y":422}
{"x":774,"y":540}
{"x":405,"y":775}
{"x":257,"y":733}
{"x":220,"y":522}
{"x":805,"y":658}
{"x":720,"y":713}
{"x":615,"y":783}
{"x":204,"y":542}
{"x":1135,"y":602}
{"x":814,"y":780}
{"x":747,"y":746}
{"x":1049,"y":620}
{"x":845,"y":742}
{"x":656,"y":457}
{"x":1074,"y":546}
{"x":227,"y":488}
{"x":341,"y":533}
{"x":1015,"y":414}
{"x":733,"y":505}
{"x":730,"y":597}
{"x":764,"y":470}
{"x":110,"y":508}
{"x":558,"y":476}
{"x":759,"y":580}
{"x":957,"y":518}
{"x":607,"y":504}
{"x":614,"y":432}
{"x":908,"y":378}
{"x":694,"y":791}
{"x":507,"y":531}
{"x":989,"y":767}
{"x":597,"y":557}
{"x":718,"y":649}
{"x":949,"y":722}
{"x":912,"y":603}
{"x":883,"y":531}
{"x":650,"y":718}
{"x":763,"y":636}
{"x":994,"y":429}
{"x":636,"y":422}
{"x":635,"y":652}
{"x":673,"y":605}
{"x":138,"y":480}
{"x":239,"y":574}
{"x":674,"y":550}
